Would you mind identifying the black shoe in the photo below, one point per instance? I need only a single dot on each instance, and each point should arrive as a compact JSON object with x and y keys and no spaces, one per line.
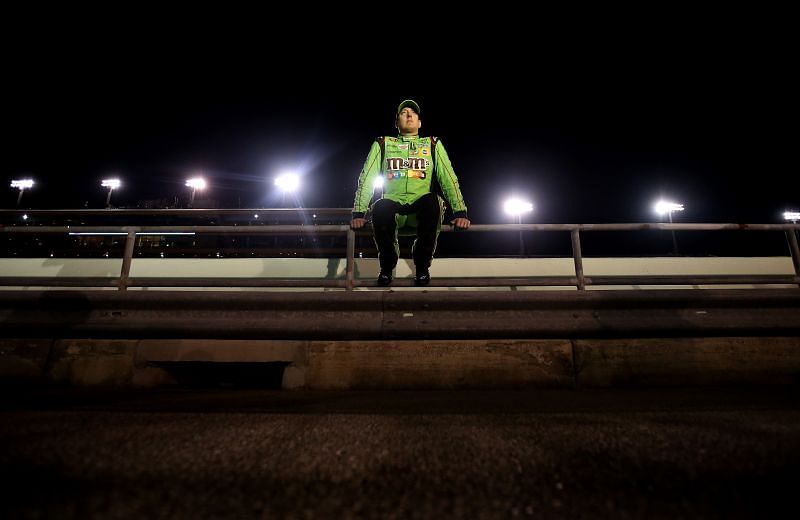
{"x":385,"y":278}
{"x":423,"y":277}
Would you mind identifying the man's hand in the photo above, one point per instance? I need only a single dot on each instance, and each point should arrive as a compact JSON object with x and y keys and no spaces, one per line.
{"x":358,"y":223}
{"x":460,"y":223}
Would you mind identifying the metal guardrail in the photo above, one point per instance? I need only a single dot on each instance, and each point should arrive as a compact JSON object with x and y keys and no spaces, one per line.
{"x":579,"y":280}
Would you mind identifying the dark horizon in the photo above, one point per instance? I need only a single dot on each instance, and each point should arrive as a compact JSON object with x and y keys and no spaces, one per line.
{"x":598,"y":139}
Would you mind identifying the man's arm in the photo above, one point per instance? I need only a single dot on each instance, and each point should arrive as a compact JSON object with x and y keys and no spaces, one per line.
{"x":366,"y":179}
{"x":449,"y":183}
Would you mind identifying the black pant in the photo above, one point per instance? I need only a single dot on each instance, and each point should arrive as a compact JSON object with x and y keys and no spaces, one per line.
{"x":428,"y":213}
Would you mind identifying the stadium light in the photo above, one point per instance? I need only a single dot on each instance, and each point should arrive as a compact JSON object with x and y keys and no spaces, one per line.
{"x":22,"y":185}
{"x":665,"y":207}
{"x":516,"y":207}
{"x":111,"y":184}
{"x":288,"y":182}
{"x":196,"y":183}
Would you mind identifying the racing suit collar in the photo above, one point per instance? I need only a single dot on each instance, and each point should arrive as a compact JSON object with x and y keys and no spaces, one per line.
{"x":408,"y":137}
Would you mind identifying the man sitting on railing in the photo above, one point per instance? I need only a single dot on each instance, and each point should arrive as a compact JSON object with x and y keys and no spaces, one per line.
{"x":408,"y":164}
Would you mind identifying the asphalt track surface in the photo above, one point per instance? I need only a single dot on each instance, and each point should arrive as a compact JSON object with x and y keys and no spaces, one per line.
{"x":249,"y":453}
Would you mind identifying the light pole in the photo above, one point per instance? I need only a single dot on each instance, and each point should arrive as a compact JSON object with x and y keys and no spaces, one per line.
{"x":663,"y":207}
{"x":793,"y":217}
{"x":516,"y":207}
{"x":287,"y":182}
{"x":111,"y":184}
{"x":196,"y":183}
{"x":377,"y":185}
{"x":22,"y":185}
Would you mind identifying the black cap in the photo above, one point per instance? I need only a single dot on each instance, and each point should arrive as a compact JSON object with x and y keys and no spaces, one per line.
{"x":408,"y":103}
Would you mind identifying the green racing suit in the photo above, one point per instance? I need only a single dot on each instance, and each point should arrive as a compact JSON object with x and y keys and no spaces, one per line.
{"x":408,"y":165}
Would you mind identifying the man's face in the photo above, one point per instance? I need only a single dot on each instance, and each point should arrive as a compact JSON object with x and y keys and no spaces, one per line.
{"x":408,"y":122}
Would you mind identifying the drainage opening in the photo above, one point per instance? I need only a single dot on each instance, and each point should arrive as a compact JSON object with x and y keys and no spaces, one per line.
{"x":228,"y":375}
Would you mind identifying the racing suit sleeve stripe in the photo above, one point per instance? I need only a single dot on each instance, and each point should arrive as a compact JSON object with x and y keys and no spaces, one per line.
{"x":366,"y":179}
{"x":449,"y":181}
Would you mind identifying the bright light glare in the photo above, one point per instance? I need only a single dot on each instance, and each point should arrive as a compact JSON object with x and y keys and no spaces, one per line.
{"x":111,"y":183}
{"x":23,"y":184}
{"x":88,"y":234}
{"x":663,"y":207}
{"x":792,"y":215}
{"x":112,"y":233}
{"x":288,"y":182}
{"x":378,"y":184}
{"x":197,"y":183}
{"x":516,"y":206}
{"x":167,"y":233}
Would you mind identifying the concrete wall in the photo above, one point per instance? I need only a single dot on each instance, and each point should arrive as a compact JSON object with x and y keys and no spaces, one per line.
{"x":368,"y":268}
{"x":417,"y":364}
{"x":663,"y":361}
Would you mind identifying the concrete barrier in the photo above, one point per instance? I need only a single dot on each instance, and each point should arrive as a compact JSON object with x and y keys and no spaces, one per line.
{"x":406,"y":340}
{"x":689,"y":361}
{"x":385,"y":315}
{"x":90,"y":362}
{"x":23,"y":360}
{"x":416,"y":364}
{"x":439,"y":364}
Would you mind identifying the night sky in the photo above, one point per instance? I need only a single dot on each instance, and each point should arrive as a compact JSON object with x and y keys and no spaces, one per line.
{"x":594,"y":134}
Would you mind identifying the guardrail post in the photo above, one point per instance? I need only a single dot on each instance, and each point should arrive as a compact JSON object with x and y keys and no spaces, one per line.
{"x":576,"y":256}
{"x":794,"y":250}
{"x":351,"y":261}
{"x":130,"y":241}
